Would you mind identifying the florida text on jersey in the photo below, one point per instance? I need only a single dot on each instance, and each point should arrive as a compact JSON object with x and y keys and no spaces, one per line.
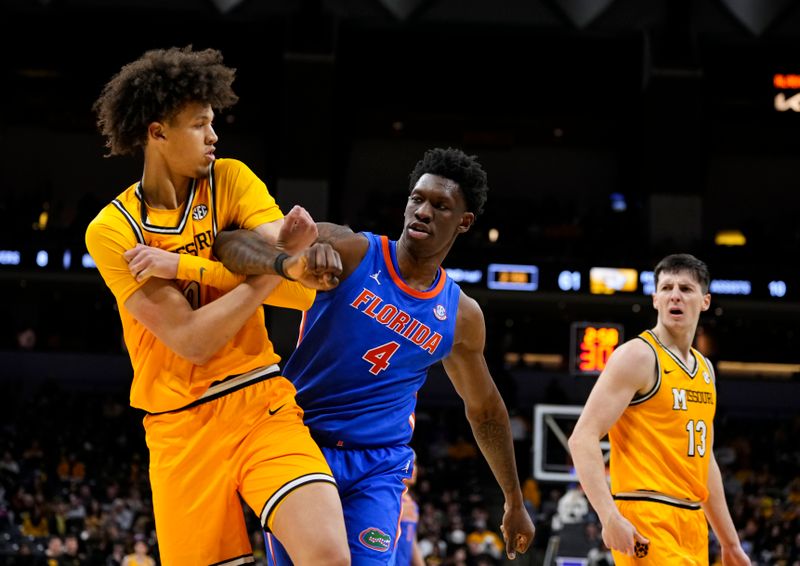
{"x":389,"y":335}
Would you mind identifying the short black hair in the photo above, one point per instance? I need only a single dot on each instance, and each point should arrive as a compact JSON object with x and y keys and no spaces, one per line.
{"x":684,"y":262}
{"x":454,"y":164}
{"x":155,"y":88}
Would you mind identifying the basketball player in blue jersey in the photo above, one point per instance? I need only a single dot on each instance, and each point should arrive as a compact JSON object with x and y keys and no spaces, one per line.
{"x":365,"y":348}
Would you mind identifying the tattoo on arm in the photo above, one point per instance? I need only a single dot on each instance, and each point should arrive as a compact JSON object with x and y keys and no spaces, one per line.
{"x":245,"y":252}
{"x":494,"y":439}
{"x":329,"y":233}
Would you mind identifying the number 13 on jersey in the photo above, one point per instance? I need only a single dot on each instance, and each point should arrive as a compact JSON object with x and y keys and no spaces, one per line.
{"x":379,"y":356}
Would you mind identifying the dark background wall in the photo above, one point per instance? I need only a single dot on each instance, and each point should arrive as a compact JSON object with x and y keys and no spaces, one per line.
{"x":668,"y":103}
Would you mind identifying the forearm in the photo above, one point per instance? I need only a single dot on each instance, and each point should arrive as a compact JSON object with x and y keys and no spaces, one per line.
{"x":587,"y":457}
{"x":207,"y":272}
{"x":416,"y":555}
{"x":215,"y":324}
{"x":287,"y":294}
{"x":197,"y":334}
{"x":329,"y":232}
{"x":492,"y":430}
{"x":716,"y":508}
{"x":245,"y":252}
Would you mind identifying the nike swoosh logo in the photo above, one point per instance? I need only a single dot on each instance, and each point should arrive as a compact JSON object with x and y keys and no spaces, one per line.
{"x":666,"y":371}
{"x":271,"y":412}
{"x":202,"y":270}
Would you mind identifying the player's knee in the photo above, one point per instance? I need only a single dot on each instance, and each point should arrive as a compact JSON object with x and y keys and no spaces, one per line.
{"x":340,"y":558}
{"x":330,"y":556}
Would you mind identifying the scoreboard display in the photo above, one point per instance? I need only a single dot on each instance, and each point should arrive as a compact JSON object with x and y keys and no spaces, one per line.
{"x":591,"y":344}
{"x":512,"y":277}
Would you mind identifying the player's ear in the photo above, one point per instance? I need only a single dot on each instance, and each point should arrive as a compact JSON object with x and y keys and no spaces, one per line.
{"x":466,"y":222}
{"x":155,"y":131}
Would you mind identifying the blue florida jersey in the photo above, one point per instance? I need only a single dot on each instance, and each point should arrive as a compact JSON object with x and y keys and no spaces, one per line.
{"x":365,"y":348}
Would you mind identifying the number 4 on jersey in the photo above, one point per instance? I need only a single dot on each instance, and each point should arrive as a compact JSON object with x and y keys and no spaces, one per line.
{"x":379,"y":356}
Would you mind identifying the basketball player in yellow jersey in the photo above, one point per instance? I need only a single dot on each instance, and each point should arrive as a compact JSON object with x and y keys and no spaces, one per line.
{"x":222,"y":424}
{"x":656,"y":400}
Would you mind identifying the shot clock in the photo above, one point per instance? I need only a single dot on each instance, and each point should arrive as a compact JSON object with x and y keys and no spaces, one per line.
{"x":591,"y":344}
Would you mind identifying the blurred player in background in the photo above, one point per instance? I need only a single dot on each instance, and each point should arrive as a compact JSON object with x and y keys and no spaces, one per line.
{"x":407,"y":552}
{"x":656,"y":399}
{"x":221,"y":424}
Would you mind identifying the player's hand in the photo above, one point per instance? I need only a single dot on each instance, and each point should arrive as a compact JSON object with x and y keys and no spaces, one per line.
{"x":619,"y":534}
{"x":146,"y":261}
{"x":734,"y":556}
{"x":317,"y":267}
{"x":298,"y":232}
{"x":518,"y":530}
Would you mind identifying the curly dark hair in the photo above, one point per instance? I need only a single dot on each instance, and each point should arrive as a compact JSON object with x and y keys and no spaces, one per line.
{"x":684,"y":262}
{"x":459,"y":167}
{"x":155,"y":88}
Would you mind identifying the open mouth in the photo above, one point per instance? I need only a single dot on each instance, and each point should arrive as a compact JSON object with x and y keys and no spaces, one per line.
{"x":675,"y":311}
{"x":418,"y":230}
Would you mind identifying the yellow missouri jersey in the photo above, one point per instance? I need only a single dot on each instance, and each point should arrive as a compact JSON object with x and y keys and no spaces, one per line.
{"x":663,"y":440}
{"x":231,"y":195}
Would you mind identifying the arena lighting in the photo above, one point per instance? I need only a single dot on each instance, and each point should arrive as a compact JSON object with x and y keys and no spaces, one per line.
{"x":225,"y":6}
{"x":569,"y":280}
{"x":402,"y":9}
{"x":777,"y":288}
{"x":730,"y":238}
{"x":618,"y":203}
{"x":783,"y":104}
{"x":543,"y":361}
{"x":88,"y":262}
{"x":583,"y":12}
{"x":730,"y":287}
{"x":464,"y":275}
{"x":609,"y":280}
{"x":10,"y":257}
{"x":784,"y":101}
{"x":749,"y":369}
{"x":786,"y":82}
{"x":648,"y":282}
{"x":508,"y":277}
{"x":757,"y":15}
{"x":41,"y":224}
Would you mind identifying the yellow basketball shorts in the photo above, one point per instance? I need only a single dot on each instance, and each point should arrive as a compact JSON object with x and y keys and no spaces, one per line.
{"x":249,"y":443}
{"x":676,"y":535}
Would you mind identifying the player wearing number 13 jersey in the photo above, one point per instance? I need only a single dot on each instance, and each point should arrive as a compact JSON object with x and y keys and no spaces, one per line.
{"x":656,"y":399}
{"x":366,"y":346}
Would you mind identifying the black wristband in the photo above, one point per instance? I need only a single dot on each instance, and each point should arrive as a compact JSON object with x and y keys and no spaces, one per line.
{"x":278,"y":266}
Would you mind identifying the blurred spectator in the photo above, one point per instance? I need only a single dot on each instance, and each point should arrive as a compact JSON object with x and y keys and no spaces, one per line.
{"x":117,"y":555}
{"x":73,"y":556}
{"x":531,"y":495}
{"x":483,"y":543}
{"x":140,"y":555}
{"x":55,"y":549}
{"x":26,"y":339}
{"x":34,"y":523}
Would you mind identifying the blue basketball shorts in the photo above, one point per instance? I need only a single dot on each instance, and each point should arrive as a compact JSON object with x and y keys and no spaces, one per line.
{"x":371,"y":488}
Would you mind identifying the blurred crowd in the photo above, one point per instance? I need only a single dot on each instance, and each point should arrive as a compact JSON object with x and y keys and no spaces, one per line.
{"x":74,"y":486}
